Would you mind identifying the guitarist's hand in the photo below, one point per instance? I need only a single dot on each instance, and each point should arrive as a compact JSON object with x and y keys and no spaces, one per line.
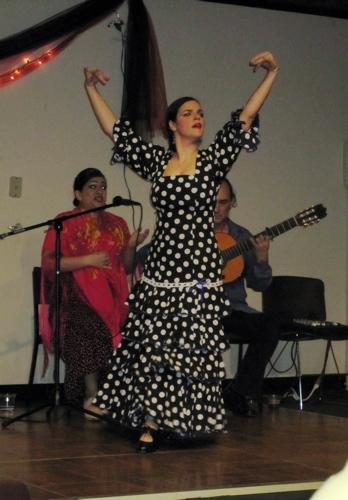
{"x":261,"y":247}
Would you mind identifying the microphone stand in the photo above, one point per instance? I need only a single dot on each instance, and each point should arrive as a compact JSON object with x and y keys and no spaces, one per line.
{"x":58,"y":225}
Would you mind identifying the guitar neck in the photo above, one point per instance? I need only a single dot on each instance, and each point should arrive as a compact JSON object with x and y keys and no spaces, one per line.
{"x":245,"y":245}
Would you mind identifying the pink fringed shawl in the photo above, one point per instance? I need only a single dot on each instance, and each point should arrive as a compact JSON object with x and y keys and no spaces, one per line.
{"x":105,"y":290}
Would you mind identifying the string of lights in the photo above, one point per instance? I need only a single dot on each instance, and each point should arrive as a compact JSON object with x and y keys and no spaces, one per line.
{"x":28,"y":50}
{"x":29,"y":64}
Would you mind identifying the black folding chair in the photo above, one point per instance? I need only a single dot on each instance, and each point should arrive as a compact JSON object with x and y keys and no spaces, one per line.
{"x":298,"y":304}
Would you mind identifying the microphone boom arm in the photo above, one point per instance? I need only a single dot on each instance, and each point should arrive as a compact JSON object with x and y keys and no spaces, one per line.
{"x":117,"y":201}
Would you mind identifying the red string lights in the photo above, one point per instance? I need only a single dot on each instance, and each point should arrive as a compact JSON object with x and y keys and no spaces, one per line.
{"x":29,"y":65}
{"x":28,"y":50}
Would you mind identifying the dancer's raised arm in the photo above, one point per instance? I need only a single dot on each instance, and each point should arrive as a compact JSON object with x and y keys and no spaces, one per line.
{"x":104,"y":114}
{"x":267,"y":61}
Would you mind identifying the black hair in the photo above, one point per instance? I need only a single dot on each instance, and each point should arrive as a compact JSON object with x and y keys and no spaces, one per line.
{"x":231,"y":190}
{"x":82,"y":178}
{"x":171,"y":114}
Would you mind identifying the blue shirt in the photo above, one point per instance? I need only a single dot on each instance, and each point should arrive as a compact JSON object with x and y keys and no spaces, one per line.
{"x":256,"y":275}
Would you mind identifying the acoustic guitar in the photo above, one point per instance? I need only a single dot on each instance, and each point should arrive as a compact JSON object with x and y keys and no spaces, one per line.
{"x":232,"y":252}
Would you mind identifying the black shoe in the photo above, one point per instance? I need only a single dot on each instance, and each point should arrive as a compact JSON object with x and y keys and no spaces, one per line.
{"x":242,"y":405}
{"x":148,"y":446}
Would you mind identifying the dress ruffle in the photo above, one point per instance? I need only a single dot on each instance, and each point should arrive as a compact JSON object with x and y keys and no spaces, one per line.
{"x":190,"y":333}
{"x":175,"y":340}
{"x":183,"y":406}
{"x":196,"y":300}
{"x":247,"y":139}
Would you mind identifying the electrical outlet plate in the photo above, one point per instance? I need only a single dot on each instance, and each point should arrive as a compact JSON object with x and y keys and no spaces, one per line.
{"x":15,"y":187}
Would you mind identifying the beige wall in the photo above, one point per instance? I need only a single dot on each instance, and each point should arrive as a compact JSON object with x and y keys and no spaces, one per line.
{"x":48,"y":134}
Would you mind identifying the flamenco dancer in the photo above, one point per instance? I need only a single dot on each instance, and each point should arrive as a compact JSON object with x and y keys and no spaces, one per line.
{"x":168,"y":372}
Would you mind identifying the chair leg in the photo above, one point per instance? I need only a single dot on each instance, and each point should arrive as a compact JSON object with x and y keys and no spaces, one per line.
{"x":299,"y":374}
{"x":33,"y":362}
{"x":333,"y":356}
{"x":320,"y":379}
{"x":240,"y":356}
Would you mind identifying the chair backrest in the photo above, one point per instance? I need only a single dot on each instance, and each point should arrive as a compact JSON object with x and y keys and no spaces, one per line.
{"x":290,"y":297}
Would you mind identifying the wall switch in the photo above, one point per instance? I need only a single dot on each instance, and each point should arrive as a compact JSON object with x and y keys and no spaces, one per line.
{"x":15,"y":187}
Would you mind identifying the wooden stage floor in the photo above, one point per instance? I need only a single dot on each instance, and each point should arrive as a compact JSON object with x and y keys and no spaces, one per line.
{"x":71,"y":457}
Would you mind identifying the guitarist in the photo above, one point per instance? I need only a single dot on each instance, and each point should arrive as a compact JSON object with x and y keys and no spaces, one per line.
{"x":244,"y":394}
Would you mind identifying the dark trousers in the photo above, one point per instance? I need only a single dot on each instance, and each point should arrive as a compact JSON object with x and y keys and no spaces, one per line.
{"x":261,"y":334}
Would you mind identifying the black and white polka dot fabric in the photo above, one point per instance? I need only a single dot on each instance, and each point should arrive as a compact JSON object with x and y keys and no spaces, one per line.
{"x":169,"y":367}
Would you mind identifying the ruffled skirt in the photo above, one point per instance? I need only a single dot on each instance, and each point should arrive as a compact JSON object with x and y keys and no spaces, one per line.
{"x":169,"y":367}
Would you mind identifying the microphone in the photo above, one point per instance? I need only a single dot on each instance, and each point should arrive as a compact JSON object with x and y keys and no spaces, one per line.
{"x":118,"y":200}
{"x":117,"y":23}
{"x":16,"y":228}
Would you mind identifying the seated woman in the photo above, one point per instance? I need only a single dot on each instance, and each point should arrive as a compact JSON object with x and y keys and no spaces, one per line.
{"x":97,"y":253}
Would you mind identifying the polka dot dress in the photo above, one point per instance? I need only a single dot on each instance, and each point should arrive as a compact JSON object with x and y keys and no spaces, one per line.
{"x":169,"y":367}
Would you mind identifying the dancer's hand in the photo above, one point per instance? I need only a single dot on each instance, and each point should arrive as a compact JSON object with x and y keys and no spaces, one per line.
{"x":265,"y":60}
{"x":94,"y":76}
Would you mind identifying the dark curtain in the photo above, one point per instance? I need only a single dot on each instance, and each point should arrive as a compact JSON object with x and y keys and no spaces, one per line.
{"x":144,"y":98}
{"x":144,"y":101}
{"x":75,"y":19}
